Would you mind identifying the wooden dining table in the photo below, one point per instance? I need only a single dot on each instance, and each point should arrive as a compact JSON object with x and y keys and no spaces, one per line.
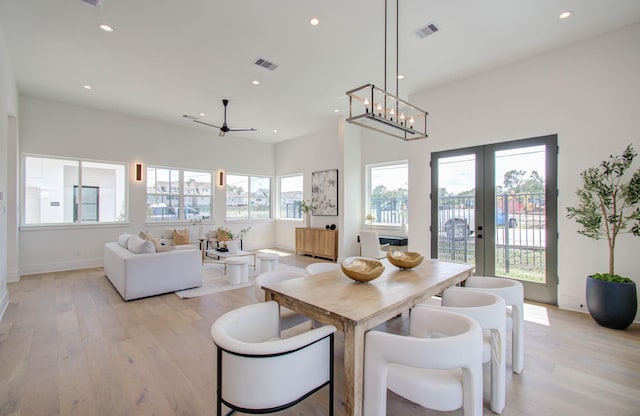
{"x":354,"y":308}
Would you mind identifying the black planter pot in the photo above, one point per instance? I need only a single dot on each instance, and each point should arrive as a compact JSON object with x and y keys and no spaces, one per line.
{"x":612,"y":305}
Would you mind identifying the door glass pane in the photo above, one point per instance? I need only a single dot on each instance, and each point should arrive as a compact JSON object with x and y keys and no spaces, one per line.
{"x":456,"y":208}
{"x":520,"y":209}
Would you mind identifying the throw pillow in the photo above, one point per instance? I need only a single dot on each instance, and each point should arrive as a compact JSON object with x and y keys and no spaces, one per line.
{"x":123,"y":239}
{"x":181,"y":236}
{"x":139,"y":246}
{"x":157,"y":243}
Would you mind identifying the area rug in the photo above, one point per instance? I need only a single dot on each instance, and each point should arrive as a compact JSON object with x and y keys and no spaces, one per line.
{"x":214,"y":280}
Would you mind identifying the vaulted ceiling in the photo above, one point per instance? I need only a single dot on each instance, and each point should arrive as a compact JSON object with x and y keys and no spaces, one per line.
{"x":167,"y":58}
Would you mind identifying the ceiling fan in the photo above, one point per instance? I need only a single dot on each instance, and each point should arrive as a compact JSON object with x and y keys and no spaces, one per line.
{"x":224,"y":129}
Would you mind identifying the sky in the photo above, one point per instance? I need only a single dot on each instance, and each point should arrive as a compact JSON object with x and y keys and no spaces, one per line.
{"x":457,"y":174}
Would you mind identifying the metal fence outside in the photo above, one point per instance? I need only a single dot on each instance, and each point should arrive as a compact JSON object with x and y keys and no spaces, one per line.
{"x":520,"y":243}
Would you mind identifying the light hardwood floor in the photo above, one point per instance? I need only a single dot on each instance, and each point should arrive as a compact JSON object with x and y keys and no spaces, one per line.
{"x":69,"y":345}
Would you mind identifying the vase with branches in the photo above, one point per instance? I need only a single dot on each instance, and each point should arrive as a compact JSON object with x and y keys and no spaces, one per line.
{"x":306,"y":207}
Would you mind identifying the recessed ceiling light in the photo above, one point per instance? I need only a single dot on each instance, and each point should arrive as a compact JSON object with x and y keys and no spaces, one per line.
{"x":400,"y":76}
{"x":202,"y":114}
{"x":255,"y":82}
{"x":86,"y":87}
{"x":275,"y":130}
{"x":314,"y":21}
{"x":565,"y":14}
{"x":336,"y":111}
{"x":106,"y":28}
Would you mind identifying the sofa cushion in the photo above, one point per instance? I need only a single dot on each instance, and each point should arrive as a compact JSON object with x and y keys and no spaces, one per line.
{"x":139,"y":246}
{"x":181,"y":236}
{"x":123,"y":239}
{"x":156,"y":241}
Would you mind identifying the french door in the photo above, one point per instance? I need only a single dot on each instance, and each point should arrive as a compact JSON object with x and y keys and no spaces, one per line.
{"x":495,"y":207}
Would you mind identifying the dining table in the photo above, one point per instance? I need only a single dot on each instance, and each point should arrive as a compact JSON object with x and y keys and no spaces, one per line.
{"x":354,"y":308}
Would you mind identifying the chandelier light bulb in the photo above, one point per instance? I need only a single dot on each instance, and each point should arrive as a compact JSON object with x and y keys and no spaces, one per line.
{"x":411,"y":122}
{"x":366,"y":105}
{"x":379,"y":108}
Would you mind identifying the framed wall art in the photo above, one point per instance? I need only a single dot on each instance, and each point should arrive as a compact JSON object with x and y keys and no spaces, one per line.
{"x":324,"y":192}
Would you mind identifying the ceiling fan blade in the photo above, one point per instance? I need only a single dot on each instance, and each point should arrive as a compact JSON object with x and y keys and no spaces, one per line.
{"x":251,"y":129}
{"x":207,"y":124}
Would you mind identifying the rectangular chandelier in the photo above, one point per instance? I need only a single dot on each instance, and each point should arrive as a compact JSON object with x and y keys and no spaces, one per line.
{"x":376,"y":109}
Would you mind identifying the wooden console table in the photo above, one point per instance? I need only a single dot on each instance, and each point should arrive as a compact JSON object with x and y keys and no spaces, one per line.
{"x":317,"y":242}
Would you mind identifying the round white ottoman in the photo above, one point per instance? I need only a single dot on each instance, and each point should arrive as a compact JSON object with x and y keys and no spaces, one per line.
{"x":237,"y":269}
{"x":268,"y":262}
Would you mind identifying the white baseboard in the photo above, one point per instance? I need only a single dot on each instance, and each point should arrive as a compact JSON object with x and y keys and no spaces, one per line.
{"x":62,"y":266}
{"x":13,"y":276}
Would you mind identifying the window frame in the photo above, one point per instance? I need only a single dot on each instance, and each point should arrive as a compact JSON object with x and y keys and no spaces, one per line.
{"x":180,"y":194}
{"x":249,"y":178}
{"x":125,"y":170}
{"x":368,"y":200}
{"x":279,"y":197}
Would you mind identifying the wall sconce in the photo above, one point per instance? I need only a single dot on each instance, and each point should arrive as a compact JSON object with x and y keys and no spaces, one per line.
{"x":221,"y":178}
{"x":139,"y":172}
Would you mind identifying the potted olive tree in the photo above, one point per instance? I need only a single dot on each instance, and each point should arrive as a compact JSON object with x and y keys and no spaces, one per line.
{"x":609,"y":205}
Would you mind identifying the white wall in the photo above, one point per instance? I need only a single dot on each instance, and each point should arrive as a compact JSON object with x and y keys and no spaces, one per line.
{"x":8,"y":112}
{"x":588,"y":94}
{"x":58,"y":129}
{"x":319,"y":151}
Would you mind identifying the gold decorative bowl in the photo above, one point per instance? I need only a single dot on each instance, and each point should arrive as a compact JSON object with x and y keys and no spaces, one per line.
{"x":361,"y":269}
{"x":405,"y":260}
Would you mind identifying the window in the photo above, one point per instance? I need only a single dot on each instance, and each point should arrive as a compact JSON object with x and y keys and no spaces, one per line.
{"x":290,"y":196}
{"x":175,"y":194}
{"x":67,"y":191}
{"x":388,"y":193}
{"x":248,"y":197}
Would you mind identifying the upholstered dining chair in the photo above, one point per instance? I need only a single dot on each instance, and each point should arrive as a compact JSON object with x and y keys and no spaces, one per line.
{"x":317,"y":268}
{"x":512,"y":292}
{"x":489,"y":311}
{"x":370,"y":245}
{"x":258,"y":372}
{"x":288,"y":318}
{"x":438,"y":366}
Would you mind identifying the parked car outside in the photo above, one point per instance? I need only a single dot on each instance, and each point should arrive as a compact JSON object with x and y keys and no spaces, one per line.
{"x":161,"y":212}
{"x":460,"y":223}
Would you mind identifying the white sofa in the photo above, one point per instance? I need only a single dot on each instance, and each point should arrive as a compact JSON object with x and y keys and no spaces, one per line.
{"x":139,"y":275}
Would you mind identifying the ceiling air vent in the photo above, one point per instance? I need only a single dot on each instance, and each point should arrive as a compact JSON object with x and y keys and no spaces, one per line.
{"x":426,"y":30}
{"x":265,"y":64}
{"x":94,"y":3}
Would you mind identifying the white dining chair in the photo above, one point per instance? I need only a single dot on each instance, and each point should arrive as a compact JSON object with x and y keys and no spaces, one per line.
{"x":259,"y":372}
{"x":370,"y":245}
{"x":438,"y":366}
{"x":288,"y":318}
{"x":488,"y":310}
{"x":512,"y":292}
